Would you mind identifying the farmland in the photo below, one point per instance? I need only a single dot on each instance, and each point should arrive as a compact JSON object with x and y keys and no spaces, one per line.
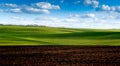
{"x":78,"y":47}
{"x":36,"y":35}
{"x":59,"y":56}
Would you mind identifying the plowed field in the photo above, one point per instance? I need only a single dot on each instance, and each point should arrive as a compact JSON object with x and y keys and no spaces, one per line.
{"x":59,"y":56}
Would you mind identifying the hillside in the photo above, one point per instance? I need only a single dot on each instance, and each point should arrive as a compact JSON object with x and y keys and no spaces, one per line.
{"x":31,"y":35}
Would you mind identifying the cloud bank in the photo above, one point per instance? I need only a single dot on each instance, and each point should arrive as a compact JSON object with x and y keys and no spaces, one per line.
{"x":40,"y":7}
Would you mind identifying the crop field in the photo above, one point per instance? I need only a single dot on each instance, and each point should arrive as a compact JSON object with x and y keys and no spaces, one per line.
{"x":45,"y":46}
{"x":35,"y":35}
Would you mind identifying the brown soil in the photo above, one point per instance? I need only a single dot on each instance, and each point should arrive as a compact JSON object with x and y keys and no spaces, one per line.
{"x":59,"y":56}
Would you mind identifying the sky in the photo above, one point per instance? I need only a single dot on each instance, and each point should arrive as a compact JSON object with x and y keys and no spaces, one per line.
{"x":96,"y":14}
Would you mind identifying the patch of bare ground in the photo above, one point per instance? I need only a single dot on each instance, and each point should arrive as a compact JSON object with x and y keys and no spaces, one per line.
{"x":59,"y":56}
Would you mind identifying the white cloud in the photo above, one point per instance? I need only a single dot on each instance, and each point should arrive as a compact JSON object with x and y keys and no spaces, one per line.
{"x":46,"y":5}
{"x":16,"y":10}
{"x":106,"y":7}
{"x":109,"y":8}
{"x":113,"y":8}
{"x":91,"y":15}
{"x":118,"y":8}
{"x":36,"y":10}
{"x":8,"y":5}
{"x":40,"y":7}
{"x":73,"y":22}
{"x":87,"y":2}
{"x":93,"y":3}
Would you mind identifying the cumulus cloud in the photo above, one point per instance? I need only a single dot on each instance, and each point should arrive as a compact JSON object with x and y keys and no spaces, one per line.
{"x":8,"y":5}
{"x":36,"y":10}
{"x":109,"y":8}
{"x":93,"y":3}
{"x":87,"y":2}
{"x":106,"y":7}
{"x":16,"y":10}
{"x":78,"y":17}
{"x":46,"y":5}
{"x":40,"y":7}
{"x":78,"y":22}
{"x":73,"y":22}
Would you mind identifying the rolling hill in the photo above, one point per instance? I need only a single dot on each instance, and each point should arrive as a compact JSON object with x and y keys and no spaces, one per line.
{"x":35,"y":35}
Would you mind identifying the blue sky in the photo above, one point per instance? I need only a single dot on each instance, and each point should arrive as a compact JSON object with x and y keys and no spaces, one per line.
{"x":103,"y":14}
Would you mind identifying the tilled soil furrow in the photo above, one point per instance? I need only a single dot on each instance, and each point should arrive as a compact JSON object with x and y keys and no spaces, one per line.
{"x":60,"y":56}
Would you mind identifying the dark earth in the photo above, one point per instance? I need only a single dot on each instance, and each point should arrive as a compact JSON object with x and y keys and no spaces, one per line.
{"x":59,"y":56}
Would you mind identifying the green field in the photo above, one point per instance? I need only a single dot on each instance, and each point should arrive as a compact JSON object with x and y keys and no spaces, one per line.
{"x":31,"y":35}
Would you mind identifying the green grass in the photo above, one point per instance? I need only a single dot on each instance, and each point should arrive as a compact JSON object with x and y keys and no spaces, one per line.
{"x":31,"y":35}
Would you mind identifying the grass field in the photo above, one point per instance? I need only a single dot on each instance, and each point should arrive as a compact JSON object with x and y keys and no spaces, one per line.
{"x":30,"y":35}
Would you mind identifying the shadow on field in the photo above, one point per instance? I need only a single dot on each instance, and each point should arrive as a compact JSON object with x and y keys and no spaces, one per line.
{"x":109,"y":35}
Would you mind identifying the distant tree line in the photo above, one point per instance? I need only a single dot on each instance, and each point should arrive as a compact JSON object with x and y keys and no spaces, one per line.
{"x":34,"y":25}
{"x":1,"y":24}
